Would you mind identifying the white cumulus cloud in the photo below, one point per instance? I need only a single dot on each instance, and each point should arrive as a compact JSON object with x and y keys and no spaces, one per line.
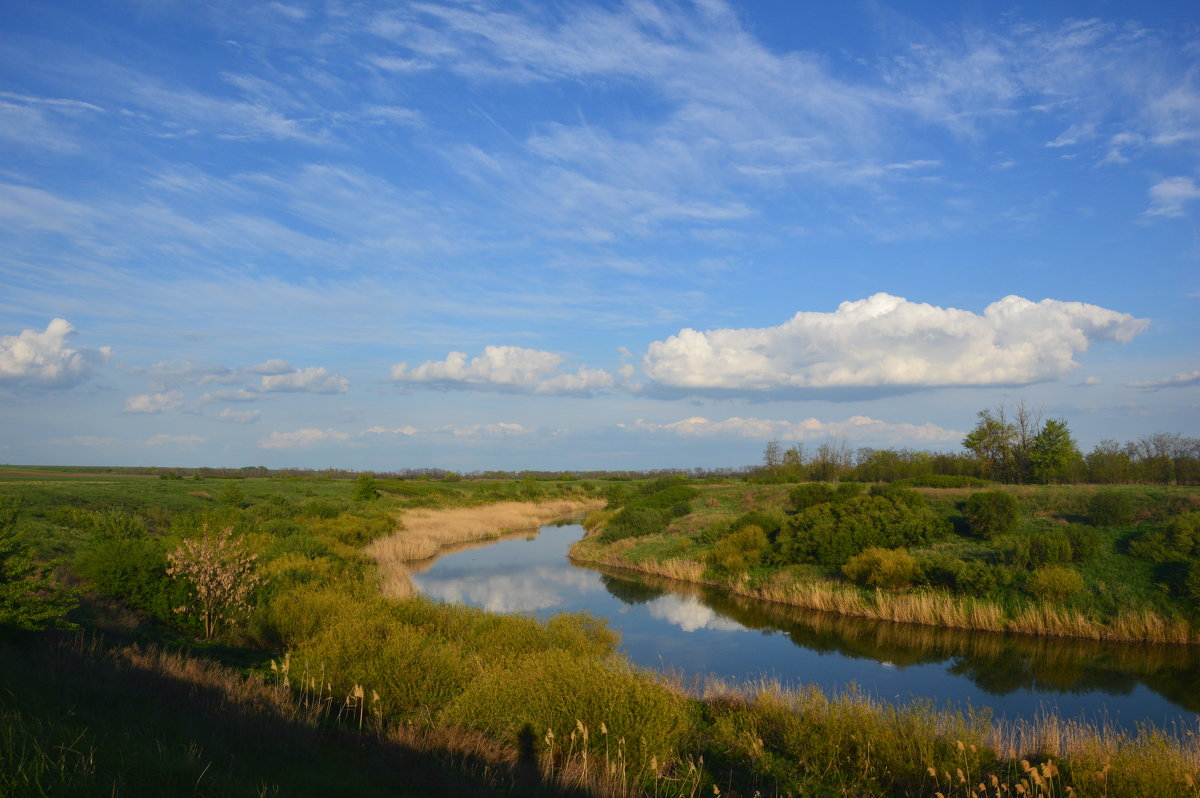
{"x":272,"y":367}
{"x":302,"y":437}
{"x":505,"y":368}
{"x":315,"y":379}
{"x":154,"y":402}
{"x":887,"y":341}
{"x":44,"y":359}
{"x":853,"y":428}
{"x":502,"y":429}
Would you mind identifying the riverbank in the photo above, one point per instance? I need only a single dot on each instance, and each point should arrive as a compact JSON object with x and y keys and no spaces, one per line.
{"x":424,"y":533}
{"x":796,"y":546}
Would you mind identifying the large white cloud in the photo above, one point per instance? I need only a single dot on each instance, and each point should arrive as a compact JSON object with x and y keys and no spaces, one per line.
{"x":44,"y":359}
{"x":505,"y":368}
{"x":887,"y":341}
{"x":853,"y":428}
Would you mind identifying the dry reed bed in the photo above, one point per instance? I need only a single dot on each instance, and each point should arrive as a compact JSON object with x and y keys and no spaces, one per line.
{"x":928,"y":608}
{"x":425,"y":533}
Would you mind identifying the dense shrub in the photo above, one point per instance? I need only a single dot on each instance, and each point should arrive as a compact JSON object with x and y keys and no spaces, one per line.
{"x":971,"y":577}
{"x":944,"y":481}
{"x":1086,"y":543}
{"x":1054,"y":583}
{"x":323,"y":508}
{"x":809,"y":494}
{"x":1050,"y":547}
{"x":901,"y":494}
{"x":885,"y":568}
{"x":133,"y":570}
{"x":991,"y":513}
{"x":1173,"y":543}
{"x":1110,"y":508}
{"x":739,"y":551}
{"x":832,"y":532}
{"x":632,"y":522}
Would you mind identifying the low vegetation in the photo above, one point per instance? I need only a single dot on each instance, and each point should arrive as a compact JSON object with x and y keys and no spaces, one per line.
{"x":312,"y":682}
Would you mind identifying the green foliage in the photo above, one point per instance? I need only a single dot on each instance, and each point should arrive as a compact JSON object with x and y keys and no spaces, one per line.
{"x":1086,"y":543}
{"x":885,"y":568}
{"x":133,"y":570}
{"x":635,"y":522}
{"x":739,"y":551}
{"x":1053,"y":454}
{"x":969,"y":577}
{"x":323,"y":508}
{"x":991,"y":513}
{"x":557,"y":692}
{"x":232,"y":495}
{"x":648,"y":510}
{"x":1173,"y":543}
{"x":29,"y":598}
{"x":944,"y":481}
{"x":900,"y":494}
{"x":365,"y":488}
{"x":831,"y":533}
{"x":1054,"y":583}
{"x":1050,"y":547}
{"x":1110,"y":508}
{"x":810,"y":494}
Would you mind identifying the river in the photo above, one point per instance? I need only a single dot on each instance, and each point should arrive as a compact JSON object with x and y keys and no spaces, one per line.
{"x":701,"y":632}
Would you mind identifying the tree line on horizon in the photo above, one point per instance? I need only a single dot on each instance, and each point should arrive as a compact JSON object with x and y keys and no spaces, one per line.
{"x":1009,"y":446}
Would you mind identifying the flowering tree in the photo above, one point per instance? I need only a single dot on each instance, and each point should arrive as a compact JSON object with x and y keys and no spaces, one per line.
{"x":220,"y":572}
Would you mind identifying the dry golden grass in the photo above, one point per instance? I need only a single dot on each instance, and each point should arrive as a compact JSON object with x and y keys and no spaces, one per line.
{"x":425,"y":533}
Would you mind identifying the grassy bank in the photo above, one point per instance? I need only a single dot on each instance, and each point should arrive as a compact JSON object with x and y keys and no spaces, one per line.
{"x":1129,"y":583}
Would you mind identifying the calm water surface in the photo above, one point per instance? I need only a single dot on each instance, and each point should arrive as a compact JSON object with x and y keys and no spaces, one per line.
{"x":702,"y":632}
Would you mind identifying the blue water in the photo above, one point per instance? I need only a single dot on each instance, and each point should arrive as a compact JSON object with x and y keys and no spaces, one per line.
{"x":701,"y":633}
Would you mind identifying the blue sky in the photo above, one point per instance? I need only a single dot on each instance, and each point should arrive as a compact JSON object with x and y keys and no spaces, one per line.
{"x":589,"y":235}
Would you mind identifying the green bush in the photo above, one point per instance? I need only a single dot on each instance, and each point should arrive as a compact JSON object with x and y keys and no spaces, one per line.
{"x":810,"y":494}
{"x":885,"y":568}
{"x":1110,"y":508}
{"x":1173,"y":543}
{"x":1086,"y":543}
{"x":991,"y":513}
{"x":1054,"y":583}
{"x":832,"y":532}
{"x":901,"y":494}
{"x":635,"y":522}
{"x":1050,"y":547}
{"x":943,"y":481}
{"x":739,"y":551}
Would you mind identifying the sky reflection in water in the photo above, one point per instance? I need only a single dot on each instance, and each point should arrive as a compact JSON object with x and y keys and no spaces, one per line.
{"x":700,"y":632}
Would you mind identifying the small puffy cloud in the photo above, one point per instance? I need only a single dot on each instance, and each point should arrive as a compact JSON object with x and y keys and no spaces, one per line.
{"x":1091,"y":382}
{"x":315,"y":379}
{"x":154,"y":402}
{"x":1168,"y":196}
{"x":505,"y":368}
{"x":886,"y":341}
{"x":853,"y":428}
{"x":303,"y":437}
{"x":272,"y":367}
{"x":239,"y":416}
{"x":43,"y":359}
{"x":1178,"y":381}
